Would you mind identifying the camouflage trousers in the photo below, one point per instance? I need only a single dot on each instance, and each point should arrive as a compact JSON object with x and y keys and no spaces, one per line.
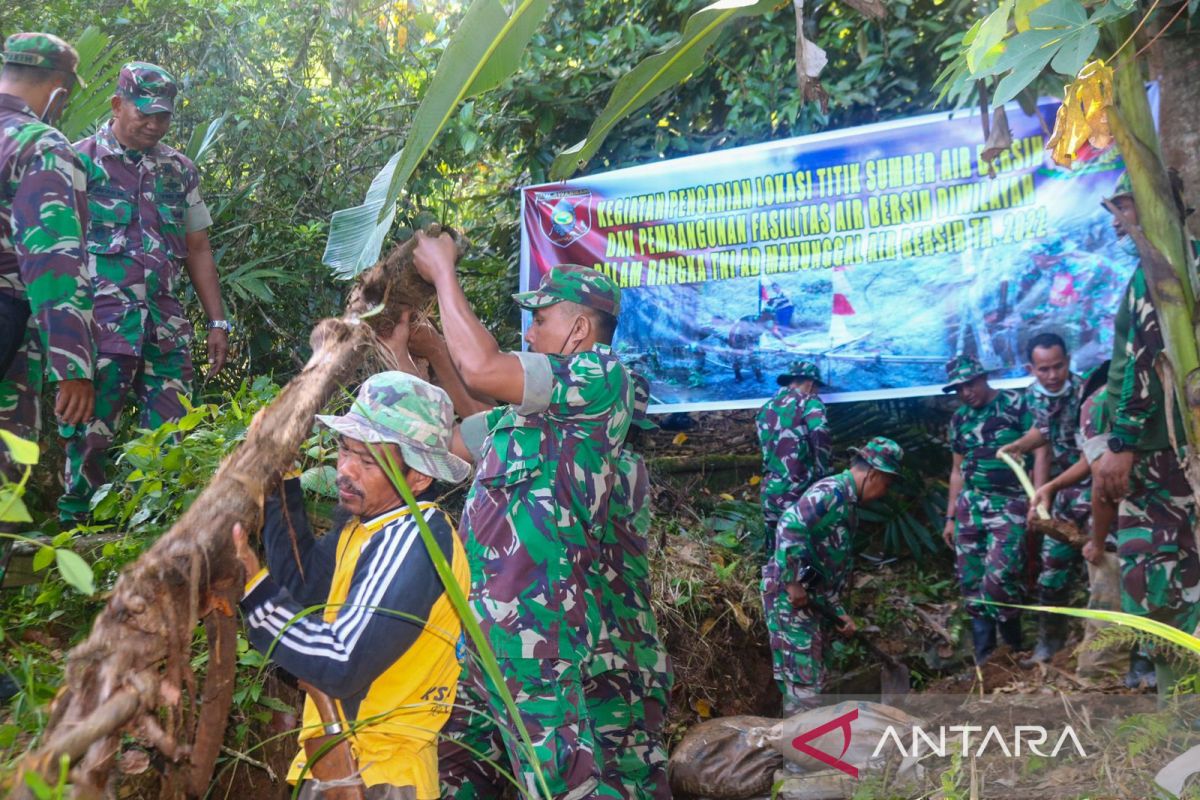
{"x":1156,"y":542}
{"x":1062,"y":564}
{"x":800,"y":646}
{"x":480,"y":741}
{"x":989,"y":545}
{"x":628,"y":710}
{"x":158,"y":381}
{"x":21,"y":392}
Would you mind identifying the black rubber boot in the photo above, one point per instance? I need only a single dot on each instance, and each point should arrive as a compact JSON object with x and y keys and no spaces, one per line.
{"x":1141,"y":671}
{"x":983,"y":631}
{"x":1052,"y":635}
{"x":1010,"y":631}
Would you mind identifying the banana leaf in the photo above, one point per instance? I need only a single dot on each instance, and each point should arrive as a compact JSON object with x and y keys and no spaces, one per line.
{"x":485,"y":49}
{"x":98,"y":67}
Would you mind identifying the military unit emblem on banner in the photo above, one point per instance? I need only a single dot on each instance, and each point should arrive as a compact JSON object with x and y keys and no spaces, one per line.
{"x":566,"y":215}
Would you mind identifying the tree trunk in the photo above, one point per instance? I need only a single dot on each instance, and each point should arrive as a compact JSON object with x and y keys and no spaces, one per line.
{"x":132,"y":674}
{"x":1167,"y":271}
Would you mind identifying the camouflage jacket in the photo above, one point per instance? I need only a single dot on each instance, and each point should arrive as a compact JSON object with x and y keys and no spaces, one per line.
{"x":795,"y":440}
{"x":540,"y":500}
{"x":630,"y":641}
{"x":42,"y":211}
{"x":818,"y":531}
{"x":1135,"y":393}
{"x":976,"y":435}
{"x":142,"y":206}
{"x":1057,"y":418}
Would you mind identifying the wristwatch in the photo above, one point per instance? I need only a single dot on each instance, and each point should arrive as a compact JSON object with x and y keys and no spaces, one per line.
{"x":220,"y":324}
{"x":1116,"y":444}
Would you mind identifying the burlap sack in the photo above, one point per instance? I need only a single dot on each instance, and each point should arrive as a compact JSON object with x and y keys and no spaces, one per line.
{"x":721,"y":759}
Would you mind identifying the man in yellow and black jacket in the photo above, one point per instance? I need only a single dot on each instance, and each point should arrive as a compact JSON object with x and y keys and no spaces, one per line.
{"x":383,"y":639}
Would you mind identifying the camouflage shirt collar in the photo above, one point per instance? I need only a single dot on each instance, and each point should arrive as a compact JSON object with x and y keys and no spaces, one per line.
{"x":108,"y":145}
{"x":10,"y":102}
{"x":847,"y":479}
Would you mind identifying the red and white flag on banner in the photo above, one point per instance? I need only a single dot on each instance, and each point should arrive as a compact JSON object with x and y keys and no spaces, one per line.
{"x":843,"y":309}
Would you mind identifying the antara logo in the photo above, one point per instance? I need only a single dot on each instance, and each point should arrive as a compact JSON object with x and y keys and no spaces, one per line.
{"x":1032,"y":737}
{"x":801,"y":742}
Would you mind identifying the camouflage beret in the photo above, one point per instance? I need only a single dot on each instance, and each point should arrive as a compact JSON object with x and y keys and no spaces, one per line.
{"x":44,"y":50}
{"x":151,"y":88}
{"x":962,"y":369}
{"x":576,"y":284}
{"x":882,"y":454}
{"x":800,"y":370}
{"x":402,"y":409}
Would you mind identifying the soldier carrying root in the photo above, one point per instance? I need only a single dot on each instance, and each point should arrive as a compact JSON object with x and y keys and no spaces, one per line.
{"x":46,"y":327}
{"x":817,"y":533}
{"x":539,"y":502}
{"x":147,"y":220}
{"x":1160,"y":568}
{"x":629,"y":685}
{"x":793,"y":433}
{"x":1055,"y":398}
{"x":985,"y":512}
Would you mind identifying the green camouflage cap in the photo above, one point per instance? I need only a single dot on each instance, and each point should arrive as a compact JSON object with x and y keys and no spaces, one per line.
{"x":962,"y":369}
{"x":641,"y":401}
{"x":576,"y":284}
{"x":881,"y":453}
{"x":1124,"y":187}
{"x":43,"y":50}
{"x":405,"y":410}
{"x":800,"y":370}
{"x":151,"y":88}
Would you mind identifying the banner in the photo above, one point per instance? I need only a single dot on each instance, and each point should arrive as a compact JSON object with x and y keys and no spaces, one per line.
{"x":878,"y":252}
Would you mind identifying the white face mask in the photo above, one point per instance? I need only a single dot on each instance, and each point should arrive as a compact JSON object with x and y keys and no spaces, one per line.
{"x":1042,"y":390}
{"x":53,"y":110}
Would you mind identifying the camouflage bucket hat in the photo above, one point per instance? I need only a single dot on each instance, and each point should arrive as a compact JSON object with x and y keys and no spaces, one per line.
{"x":405,"y":410}
{"x":962,"y":369}
{"x":44,"y":50}
{"x":151,"y":88}
{"x":641,"y":401}
{"x":882,"y":454}
{"x":1124,"y":187}
{"x":802,"y":370}
{"x":576,"y":284}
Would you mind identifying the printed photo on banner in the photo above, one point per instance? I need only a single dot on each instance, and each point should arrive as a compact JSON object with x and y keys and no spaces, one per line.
{"x":878,"y":252}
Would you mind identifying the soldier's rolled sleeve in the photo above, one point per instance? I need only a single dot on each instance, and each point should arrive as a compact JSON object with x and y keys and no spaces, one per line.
{"x":49,"y":214}
{"x":1136,"y":401}
{"x":474,"y":430}
{"x":196,"y":216}
{"x":1094,"y":447}
{"x":539,"y":383}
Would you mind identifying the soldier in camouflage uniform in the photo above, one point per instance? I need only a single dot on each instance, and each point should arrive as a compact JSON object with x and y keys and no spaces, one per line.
{"x":546,"y":464}
{"x":43,"y":269}
{"x":1160,"y":569}
{"x":818,"y":532}
{"x":795,"y":440}
{"x":1054,"y":398}
{"x":985,"y":514}
{"x":629,"y":682}
{"x":147,"y":220}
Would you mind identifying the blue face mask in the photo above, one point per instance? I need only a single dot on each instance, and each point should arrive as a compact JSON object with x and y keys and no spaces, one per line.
{"x":1127,"y":247}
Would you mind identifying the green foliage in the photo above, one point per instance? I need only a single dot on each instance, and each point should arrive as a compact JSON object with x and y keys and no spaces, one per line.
{"x":98,"y":67}
{"x":484,"y":50}
{"x":657,"y":74}
{"x":1011,"y":48}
